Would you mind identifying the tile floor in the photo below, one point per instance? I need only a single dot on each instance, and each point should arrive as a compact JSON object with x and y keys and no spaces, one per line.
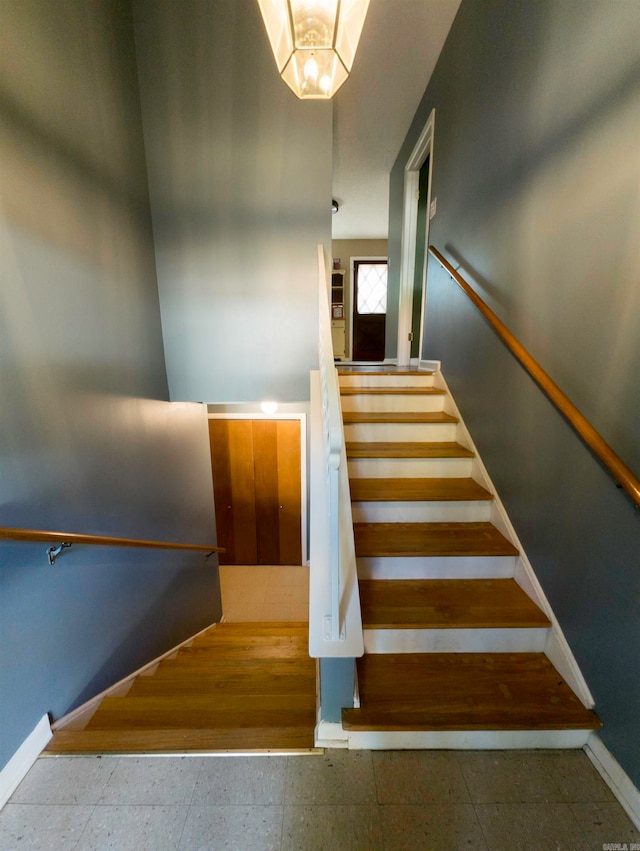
{"x":339,"y":801}
{"x":261,"y":593}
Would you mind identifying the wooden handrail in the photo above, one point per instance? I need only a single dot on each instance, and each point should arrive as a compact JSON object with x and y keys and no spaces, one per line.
{"x":102,"y":540}
{"x":616,"y":466}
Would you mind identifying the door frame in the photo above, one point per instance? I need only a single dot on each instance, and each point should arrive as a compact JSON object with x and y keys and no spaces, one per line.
{"x":351,"y":287}
{"x":304,"y":519}
{"x":422,"y":149}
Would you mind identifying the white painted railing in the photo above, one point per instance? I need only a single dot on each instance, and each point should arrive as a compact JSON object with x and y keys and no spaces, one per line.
{"x":335,"y":625}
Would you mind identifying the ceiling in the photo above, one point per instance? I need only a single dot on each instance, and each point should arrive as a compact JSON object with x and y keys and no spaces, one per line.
{"x":398,"y":50}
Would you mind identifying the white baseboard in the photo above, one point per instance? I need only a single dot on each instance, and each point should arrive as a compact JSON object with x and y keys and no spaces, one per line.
{"x":329,"y":734}
{"x":16,"y":769}
{"x":430,"y":365}
{"x":615,"y":777}
{"x":93,"y":702}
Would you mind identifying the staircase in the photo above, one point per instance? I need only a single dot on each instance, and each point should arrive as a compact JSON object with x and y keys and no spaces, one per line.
{"x":237,"y":687}
{"x":454,"y":647}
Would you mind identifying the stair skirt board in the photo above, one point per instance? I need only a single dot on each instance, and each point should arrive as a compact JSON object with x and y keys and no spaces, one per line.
{"x":83,"y":713}
{"x":436,"y":567}
{"x":431,"y":365}
{"x":421,"y":512}
{"x":408,"y":468}
{"x":466,"y":739}
{"x":330,"y":734}
{"x":486,"y":640}
{"x":558,"y":649}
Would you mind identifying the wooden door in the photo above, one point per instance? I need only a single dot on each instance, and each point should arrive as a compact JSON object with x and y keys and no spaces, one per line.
{"x":257,"y":490}
{"x":369,"y":309}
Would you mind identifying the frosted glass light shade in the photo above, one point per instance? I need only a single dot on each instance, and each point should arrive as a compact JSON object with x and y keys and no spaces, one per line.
{"x":314,"y":42}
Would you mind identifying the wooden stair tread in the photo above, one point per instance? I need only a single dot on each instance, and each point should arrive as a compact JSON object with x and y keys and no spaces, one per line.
{"x":392,"y":391}
{"x":362,"y":417}
{"x":221,"y":702}
{"x":464,"y":691}
{"x":447,"y":604}
{"x":237,"y":652}
{"x":144,"y":715}
{"x":430,"y":539}
{"x":230,"y":681}
{"x":409,"y":449}
{"x":257,"y":628}
{"x":220,"y":663}
{"x":421,"y":490}
{"x":161,"y":741}
{"x":236,"y":686}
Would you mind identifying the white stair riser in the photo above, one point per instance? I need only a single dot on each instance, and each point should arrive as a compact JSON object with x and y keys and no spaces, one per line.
{"x":467,"y":739}
{"x":410,"y":468}
{"x":374,"y":380}
{"x":514,"y":640}
{"x":421,"y":512}
{"x":438,"y":567}
{"x":392,"y":403}
{"x":399,"y":432}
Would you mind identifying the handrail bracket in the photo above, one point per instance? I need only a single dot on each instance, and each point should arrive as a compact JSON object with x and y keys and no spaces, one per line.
{"x":54,"y":552}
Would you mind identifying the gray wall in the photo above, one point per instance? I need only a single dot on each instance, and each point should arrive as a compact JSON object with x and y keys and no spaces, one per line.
{"x":88,"y":441}
{"x":240,"y":187}
{"x":537,"y":171}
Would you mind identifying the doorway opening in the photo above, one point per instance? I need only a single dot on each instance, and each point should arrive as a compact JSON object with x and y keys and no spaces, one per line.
{"x":369,"y":309}
{"x":417,"y":212}
{"x":259,"y":483}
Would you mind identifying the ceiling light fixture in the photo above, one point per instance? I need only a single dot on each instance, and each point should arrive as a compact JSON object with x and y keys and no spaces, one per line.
{"x":314,"y":42}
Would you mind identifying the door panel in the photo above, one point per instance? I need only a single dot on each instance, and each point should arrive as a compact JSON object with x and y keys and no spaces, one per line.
{"x":243,"y":492}
{"x":369,"y":309}
{"x":289,"y":494}
{"x":221,"y":470}
{"x":256,"y":480}
{"x":266,"y":482}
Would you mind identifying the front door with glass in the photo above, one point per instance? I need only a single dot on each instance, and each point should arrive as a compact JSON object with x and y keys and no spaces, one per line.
{"x":369,"y":309}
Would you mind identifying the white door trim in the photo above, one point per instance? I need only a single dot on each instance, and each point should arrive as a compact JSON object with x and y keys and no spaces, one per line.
{"x":304,"y":533}
{"x":423,"y":149}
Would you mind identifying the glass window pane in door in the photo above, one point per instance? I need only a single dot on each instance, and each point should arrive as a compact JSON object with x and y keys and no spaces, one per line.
{"x":372,"y":288}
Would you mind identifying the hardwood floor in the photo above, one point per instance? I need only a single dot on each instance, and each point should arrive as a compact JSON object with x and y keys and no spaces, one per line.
{"x":448,"y":603}
{"x":379,"y":369}
{"x":238,"y":686}
{"x":479,"y":691}
{"x":415,"y":449}
{"x":411,"y":490}
{"x":357,"y":417}
{"x":430,"y":539}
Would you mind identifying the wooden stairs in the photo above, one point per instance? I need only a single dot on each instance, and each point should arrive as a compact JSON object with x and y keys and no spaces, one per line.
{"x":238,"y":687}
{"x":454,"y":647}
